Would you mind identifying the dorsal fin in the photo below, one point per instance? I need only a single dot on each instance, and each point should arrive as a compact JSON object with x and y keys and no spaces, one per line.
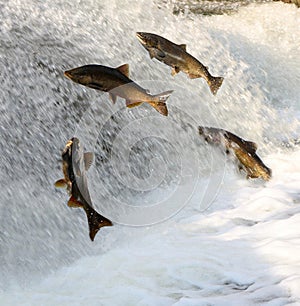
{"x":251,"y":146}
{"x":88,"y":160}
{"x":124,"y":69}
{"x":183,"y":46}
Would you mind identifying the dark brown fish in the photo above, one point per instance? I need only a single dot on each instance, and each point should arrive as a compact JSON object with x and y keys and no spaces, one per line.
{"x":116,"y":82}
{"x":245,"y":151}
{"x":74,"y":165}
{"x":176,"y":56}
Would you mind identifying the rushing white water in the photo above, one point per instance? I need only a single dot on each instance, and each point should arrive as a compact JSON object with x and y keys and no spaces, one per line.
{"x":212,"y":237}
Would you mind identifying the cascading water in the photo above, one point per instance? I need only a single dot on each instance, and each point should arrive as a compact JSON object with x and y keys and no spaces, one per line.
{"x":156,"y":168}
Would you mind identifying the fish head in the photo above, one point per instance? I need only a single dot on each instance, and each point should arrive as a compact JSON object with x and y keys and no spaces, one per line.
{"x":67,"y":165}
{"x":81,"y":75}
{"x":67,"y":151}
{"x":211,"y":135}
{"x":148,"y":40}
{"x":72,"y":153}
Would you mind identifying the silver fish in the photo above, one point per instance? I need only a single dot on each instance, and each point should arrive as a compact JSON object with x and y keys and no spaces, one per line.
{"x":75,"y":163}
{"x":176,"y":56}
{"x":111,"y":80}
{"x":245,"y":151}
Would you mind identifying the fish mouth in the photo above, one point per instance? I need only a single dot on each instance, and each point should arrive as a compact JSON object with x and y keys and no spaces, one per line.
{"x":69,"y":142}
{"x":204,"y":133}
{"x":68,"y":74}
{"x":201,"y":130}
{"x":141,"y":37}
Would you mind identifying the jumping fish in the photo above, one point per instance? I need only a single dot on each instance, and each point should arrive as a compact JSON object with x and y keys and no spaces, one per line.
{"x":176,"y":56}
{"x":75,"y":163}
{"x":245,"y":151}
{"x":116,"y":82}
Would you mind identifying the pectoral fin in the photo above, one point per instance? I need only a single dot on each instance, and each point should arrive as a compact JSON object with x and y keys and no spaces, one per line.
{"x":175,"y":70}
{"x":153,"y":52}
{"x":88,"y":160}
{"x":61,"y":183}
{"x":160,"y":53}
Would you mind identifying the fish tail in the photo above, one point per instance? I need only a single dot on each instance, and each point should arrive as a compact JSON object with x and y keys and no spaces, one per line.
{"x":161,"y":107}
{"x":162,"y":97}
{"x":267,"y":174}
{"x":215,"y":83}
{"x":159,"y":102}
{"x":95,"y":221}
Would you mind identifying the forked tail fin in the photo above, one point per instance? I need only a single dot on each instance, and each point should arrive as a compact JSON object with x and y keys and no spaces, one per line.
{"x":95,"y":221}
{"x":159,"y":102}
{"x":215,"y":83}
{"x":268,"y":174}
{"x":161,"y":107}
{"x":162,"y":97}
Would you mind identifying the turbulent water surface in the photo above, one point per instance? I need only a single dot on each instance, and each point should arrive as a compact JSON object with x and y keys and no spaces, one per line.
{"x":189,"y":228}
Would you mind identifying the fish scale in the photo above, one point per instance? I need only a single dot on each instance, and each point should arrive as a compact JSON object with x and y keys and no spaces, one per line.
{"x":178,"y":58}
{"x":117,"y":83}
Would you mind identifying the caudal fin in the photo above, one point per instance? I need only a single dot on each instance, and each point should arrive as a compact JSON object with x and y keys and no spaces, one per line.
{"x":162,"y":97}
{"x":215,"y":83}
{"x":268,"y":174}
{"x":159,"y":102}
{"x":95,"y":221}
{"x":161,"y":107}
